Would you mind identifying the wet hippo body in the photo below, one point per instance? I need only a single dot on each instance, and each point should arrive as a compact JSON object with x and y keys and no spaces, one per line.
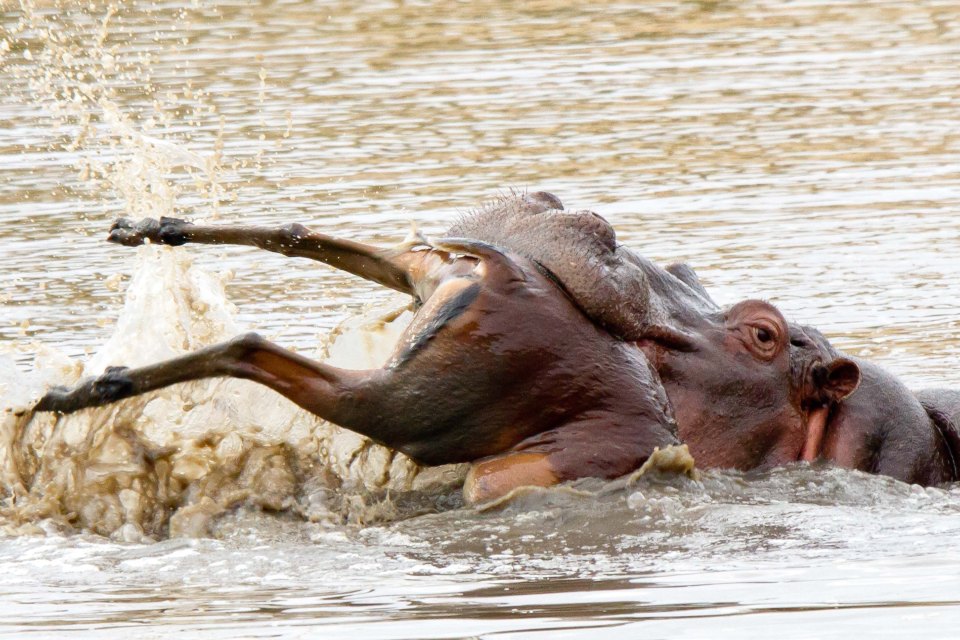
{"x":748,"y":389}
{"x":617,"y":288}
{"x":943,"y":408}
{"x":888,"y":429}
{"x":885,"y":428}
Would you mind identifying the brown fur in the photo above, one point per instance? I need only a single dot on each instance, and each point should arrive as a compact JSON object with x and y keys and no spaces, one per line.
{"x":496,"y":361}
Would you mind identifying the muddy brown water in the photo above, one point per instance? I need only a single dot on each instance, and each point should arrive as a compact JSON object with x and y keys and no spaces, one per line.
{"x":805,"y":152}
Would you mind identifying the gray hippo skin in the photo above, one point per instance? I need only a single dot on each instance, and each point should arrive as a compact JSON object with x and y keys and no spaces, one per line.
{"x":886,"y":428}
{"x":747,"y":388}
{"x":733,"y":408}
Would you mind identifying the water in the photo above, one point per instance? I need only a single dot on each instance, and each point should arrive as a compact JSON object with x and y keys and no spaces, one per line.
{"x":803,"y":152}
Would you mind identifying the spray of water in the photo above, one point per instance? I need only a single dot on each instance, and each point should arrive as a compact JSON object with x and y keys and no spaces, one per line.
{"x":170,"y":462}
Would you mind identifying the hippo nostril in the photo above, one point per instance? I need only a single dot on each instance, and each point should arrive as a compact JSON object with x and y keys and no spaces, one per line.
{"x":799,"y":342}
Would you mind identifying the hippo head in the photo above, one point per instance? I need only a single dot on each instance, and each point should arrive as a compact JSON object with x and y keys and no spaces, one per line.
{"x":748,"y":389}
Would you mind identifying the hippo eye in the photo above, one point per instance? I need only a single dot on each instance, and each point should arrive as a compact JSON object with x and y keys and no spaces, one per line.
{"x":759,"y":328}
{"x":765,"y":339}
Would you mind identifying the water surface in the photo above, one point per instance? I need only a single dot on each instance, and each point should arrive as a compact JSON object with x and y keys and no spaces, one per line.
{"x":802,"y":152}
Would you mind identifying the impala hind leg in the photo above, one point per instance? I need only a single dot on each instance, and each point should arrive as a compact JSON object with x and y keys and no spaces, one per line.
{"x":338,"y":395}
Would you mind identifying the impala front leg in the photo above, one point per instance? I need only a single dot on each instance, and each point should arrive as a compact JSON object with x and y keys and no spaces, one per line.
{"x":388,"y":268}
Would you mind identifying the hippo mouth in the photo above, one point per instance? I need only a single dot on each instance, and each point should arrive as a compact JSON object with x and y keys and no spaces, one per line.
{"x":830,"y":384}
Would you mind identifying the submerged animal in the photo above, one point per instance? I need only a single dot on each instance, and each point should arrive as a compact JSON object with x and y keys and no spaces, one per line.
{"x":748,"y":389}
{"x":542,"y":350}
{"x":886,"y":428}
{"x":498,"y":366}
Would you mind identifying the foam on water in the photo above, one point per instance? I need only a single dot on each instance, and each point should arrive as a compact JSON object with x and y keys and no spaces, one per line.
{"x":171,"y":460}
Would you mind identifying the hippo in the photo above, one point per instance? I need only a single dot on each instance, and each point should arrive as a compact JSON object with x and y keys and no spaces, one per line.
{"x":749,"y":390}
{"x":541,"y":351}
{"x":885,"y":428}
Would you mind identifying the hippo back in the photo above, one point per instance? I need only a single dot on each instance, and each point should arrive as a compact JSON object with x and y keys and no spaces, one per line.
{"x":943,"y":407}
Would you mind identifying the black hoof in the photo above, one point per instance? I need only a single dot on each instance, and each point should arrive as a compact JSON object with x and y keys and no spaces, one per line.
{"x":172,"y":232}
{"x":121,"y":223}
{"x":115,"y":384}
{"x":133,"y":234}
{"x":169,"y":231}
{"x":55,"y":399}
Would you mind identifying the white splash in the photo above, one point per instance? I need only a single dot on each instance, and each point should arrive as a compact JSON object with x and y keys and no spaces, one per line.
{"x":170,"y":461}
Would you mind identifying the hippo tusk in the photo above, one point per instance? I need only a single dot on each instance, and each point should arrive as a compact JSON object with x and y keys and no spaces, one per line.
{"x":816,"y":427}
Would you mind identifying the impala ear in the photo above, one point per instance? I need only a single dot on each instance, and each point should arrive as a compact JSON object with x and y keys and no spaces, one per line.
{"x":839,"y":379}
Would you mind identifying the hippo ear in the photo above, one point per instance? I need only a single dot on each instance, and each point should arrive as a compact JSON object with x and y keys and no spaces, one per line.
{"x":685,"y":274}
{"x":840,"y":379}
